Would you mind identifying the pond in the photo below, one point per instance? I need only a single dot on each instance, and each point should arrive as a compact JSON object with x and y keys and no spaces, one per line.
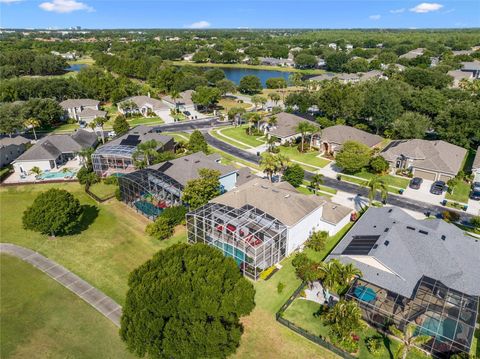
{"x":236,"y":74}
{"x":76,"y":67}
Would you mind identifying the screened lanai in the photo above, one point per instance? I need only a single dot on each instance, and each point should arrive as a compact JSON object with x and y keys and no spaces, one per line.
{"x":107,"y":160}
{"x":447,"y":315}
{"x":253,"y":238}
{"x":149,"y":191}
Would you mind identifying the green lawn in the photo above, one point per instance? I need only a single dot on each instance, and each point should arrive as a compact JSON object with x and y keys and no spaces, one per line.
{"x":103,"y":190}
{"x":87,"y":60}
{"x":218,"y":136}
{"x":227,"y":103}
{"x":310,"y":158}
{"x":110,"y":248}
{"x":301,"y":312}
{"x":460,"y":192}
{"x":68,"y":127}
{"x":240,"y":134}
{"x":394,"y":181}
{"x":42,"y":319}
{"x":178,"y":136}
{"x":144,"y":121}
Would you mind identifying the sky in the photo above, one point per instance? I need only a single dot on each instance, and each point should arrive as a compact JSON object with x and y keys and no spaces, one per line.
{"x":204,"y":14}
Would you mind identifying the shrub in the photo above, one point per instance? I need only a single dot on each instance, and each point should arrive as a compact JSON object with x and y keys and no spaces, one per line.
{"x":353,"y":156}
{"x":87,"y":177}
{"x":475,"y":221}
{"x":379,"y":164}
{"x":280,"y":287}
{"x":111,"y":180}
{"x":118,"y":194}
{"x":317,"y":241}
{"x":450,"y":216}
{"x":174,"y":215}
{"x":267,"y":273}
{"x":53,"y":212}
{"x":160,"y":229}
{"x":374,"y":344}
{"x":294,"y":175}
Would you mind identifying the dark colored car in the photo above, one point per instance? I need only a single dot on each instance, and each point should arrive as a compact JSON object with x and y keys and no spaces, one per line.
{"x":416,"y":182}
{"x":186,"y":113}
{"x":437,"y":187}
{"x":475,"y":194}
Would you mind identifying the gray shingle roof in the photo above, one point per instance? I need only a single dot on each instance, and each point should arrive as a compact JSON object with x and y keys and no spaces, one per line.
{"x":144,"y":133}
{"x":79,"y":102}
{"x":404,"y":254}
{"x":141,"y":101}
{"x":286,"y":125}
{"x":88,"y":112}
{"x":16,"y":140}
{"x":185,"y":98}
{"x":476,"y":161}
{"x":44,"y":150}
{"x":186,"y":168}
{"x":438,"y":156}
{"x":340,"y":134}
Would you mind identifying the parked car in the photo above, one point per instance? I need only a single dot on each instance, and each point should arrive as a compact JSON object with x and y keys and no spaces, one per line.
{"x":475,"y":194}
{"x":186,"y":113}
{"x":82,"y":124}
{"x":416,"y":182}
{"x":437,"y":187}
{"x":111,"y":134}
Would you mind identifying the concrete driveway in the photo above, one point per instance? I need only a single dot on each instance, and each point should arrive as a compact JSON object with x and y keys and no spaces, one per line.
{"x":423,"y":194}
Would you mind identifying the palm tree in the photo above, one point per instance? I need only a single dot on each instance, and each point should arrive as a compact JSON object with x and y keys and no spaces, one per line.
{"x":272,"y":120}
{"x":253,"y":119}
{"x":146,"y":150}
{"x":271,"y":141}
{"x":275,"y":97}
{"x":332,"y":274}
{"x":32,"y":123}
{"x":377,"y":183}
{"x":348,"y":273}
{"x":99,"y":122}
{"x":305,"y":127}
{"x":344,"y":319}
{"x":269,"y":164}
{"x":316,"y":181}
{"x":409,"y":339}
{"x":175,"y":95}
{"x":283,"y":163}
{"x":36,"y":170}
{"x":86,"y":155}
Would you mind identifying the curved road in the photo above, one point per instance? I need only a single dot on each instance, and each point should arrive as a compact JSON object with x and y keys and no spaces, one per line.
{"x":97,"y":299}
{"x":394,"y":200}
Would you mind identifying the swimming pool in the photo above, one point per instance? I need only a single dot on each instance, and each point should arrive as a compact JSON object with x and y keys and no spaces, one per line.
{"x":442,"y":328}
{"x":56,"y":175}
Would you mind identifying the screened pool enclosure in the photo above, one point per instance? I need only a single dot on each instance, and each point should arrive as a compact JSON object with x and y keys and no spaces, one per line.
{"x":108,"y":160}
{"x":149,"y":191}
{"x":448,"y":316}
{"x":253,"y":238}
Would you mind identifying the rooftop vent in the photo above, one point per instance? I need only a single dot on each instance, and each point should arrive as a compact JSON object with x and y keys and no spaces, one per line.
{"x":386,"y":230}
{"x":411,"y":228}
{"x":422,"y":232}
{"x":390,"y":210}
{"x":375,"y":246}
{"x":443,"y":237}
{"x":386,"y":243}
{"x":197,"y":161}
{"x":287,"y":195}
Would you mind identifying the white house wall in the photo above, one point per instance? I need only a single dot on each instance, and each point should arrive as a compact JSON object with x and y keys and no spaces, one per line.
{"x":44,"y":165}
{"x":299,"y":233}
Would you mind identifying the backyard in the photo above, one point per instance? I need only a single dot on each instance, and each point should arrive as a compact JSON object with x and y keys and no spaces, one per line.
{"x":103,"y":190}
{"x":111,"y":246}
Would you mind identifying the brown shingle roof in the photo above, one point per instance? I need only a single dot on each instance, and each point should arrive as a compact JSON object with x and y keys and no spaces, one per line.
{"x":340,"y":134}
{"x":476,"y":161}
{"x":287,"y":124}
{"x":79,"y":102}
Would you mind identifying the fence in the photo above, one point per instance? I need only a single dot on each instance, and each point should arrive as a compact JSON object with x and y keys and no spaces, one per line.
{"x":95,"y":197}
{"x":304,"y":333}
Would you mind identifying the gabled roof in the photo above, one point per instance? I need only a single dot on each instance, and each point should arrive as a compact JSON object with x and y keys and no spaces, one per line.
{"x":186,"y":168}
{"x":88,"y":112}
{"x":340,"y":134}
{"x":438,"y":156}
{"x":408,"y":249}
{"x":185,"y":98}
{"x":412,"y":54}
{"x":142,"y":101}
{"x":476,"y":161}
{"x":79,"y":102}
{"x":280,"y":200}
{"x":50,"y":147}
{"x":287,"y":124}
{"x":16,"y":140}
{"x":471,"y":66}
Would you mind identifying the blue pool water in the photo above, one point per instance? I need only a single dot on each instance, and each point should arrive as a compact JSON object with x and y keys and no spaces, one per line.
{"x":438,"y":327}
{"x":76,"y":67}
{"x":229,"y":251}
{"x":56,"y":175}
{"x":148,"y":208}
{"x":365,"y":294}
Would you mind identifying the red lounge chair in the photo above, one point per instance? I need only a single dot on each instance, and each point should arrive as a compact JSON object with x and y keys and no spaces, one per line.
{"x":219,"y":228}
{"x":242,"y":233}
{"x":231,"y":227}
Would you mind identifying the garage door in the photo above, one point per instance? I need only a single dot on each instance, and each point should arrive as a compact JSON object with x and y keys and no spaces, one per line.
{"x":444,"y":178}
{"x":425,"y":175}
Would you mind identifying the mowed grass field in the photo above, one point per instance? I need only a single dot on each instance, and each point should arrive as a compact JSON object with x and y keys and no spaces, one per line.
{"x":104,"y":254}
{"x":42,"y":319}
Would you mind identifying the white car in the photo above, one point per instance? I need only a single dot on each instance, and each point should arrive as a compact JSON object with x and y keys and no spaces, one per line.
{"x":112,"y":134}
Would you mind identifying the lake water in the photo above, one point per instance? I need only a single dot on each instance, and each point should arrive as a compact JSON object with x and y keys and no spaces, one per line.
{"x":235,"y":74}
{"x":76,"y":67}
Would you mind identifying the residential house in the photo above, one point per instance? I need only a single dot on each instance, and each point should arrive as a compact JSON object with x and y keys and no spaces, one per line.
{"x":331,"y":139}
{"x":73,"y":107}
{"x":332,"y":45}
{"x":412,"y":54}
{"x":183,"y":103}
{"x":159,"y":186}
{"x":350,"y":78}
{"x":285,"y":129}
{"x":476,"y":166}
{"x":11,"y":148}
{"x":430,"y":160}
{"x":117,"y":156}
{"x":88,"y":115}
{"x":473,"y":67}
{"x":260,"y":223}
{"x":143,"y":105}
{"x":53,"y":151}
{"x":423,"y":272}
{"x":458,"y":76}
{"x":272,"y":61}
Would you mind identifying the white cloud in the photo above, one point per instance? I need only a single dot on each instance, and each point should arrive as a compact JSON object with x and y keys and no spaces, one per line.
{"x":199,"y":25}
{"x":9,"y":1}
{"x":375,"y":17}
{"x":64,"y":6}
{"x":397,"y":11}
{"x":425,"y":7}
{"x":448,"y":11}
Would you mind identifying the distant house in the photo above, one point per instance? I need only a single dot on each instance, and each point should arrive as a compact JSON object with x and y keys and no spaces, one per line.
{"x":332,"y":45}
{"x":159,"y":186}
{"x":412,"y":54}
{"x":11,"y":148}
{"x":88,"y":115}
{"x":116,"y":156}
{"x":332,"y":138}
{"x":53,"y":151}
{"x":286,"y":127}
{"x":430,"y":160}
{"x":73,"y":107}
{"x":472,"y":67}
{"x":143,"y":105}
{"x":183,"y":103}
{"x":459,"y":75}
{"x":272,"y":61}
{"x":349,"y":47}
{"x":350,"y":78}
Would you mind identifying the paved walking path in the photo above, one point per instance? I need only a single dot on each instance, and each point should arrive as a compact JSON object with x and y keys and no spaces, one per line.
{"x":101,"y":302}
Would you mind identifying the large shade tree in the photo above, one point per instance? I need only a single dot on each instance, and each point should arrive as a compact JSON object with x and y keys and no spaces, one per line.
{"x":54,"y":212}
{"x":353,"y":156}
{"x":186,"y":302}
{"x":199,"y":191}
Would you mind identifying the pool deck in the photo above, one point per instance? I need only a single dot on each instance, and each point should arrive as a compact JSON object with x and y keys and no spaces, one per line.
{"x":73,"y":166}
